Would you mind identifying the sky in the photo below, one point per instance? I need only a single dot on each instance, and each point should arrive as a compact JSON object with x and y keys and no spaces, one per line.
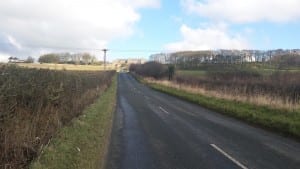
{"x":138,"y":28}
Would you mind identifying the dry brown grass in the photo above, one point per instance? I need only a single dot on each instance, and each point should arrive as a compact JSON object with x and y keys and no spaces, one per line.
{"x":257,"y":99}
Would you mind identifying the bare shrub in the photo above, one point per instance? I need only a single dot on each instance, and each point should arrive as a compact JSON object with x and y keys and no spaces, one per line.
{"x":35,"y":103}
{"x":150,"y":69}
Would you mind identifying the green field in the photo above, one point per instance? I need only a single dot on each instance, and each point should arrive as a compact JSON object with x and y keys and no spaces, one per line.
{"x":261,"y":68}
{"x":191,"y":72}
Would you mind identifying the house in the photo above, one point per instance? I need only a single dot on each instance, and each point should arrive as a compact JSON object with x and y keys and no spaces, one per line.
{"x":15,"y":60}
{"x":123,"y":64}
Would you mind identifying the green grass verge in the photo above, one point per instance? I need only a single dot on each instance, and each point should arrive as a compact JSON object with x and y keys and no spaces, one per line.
{"x":84,"y":143}
{"x":282,"y":121}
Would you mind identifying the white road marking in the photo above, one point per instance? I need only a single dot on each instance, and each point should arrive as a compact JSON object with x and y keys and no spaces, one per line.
{"x":228,"y":156}
{"x":164,"y":110}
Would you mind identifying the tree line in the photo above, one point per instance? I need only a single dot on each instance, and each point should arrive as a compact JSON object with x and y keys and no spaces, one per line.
{"x":195,"y":59}
{"x":67,"y":58}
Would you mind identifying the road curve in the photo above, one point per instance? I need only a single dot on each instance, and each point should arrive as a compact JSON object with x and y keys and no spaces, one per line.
{"x":153,"y":130}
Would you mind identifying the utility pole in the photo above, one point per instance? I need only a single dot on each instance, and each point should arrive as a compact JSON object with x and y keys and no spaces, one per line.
{"x":104,"y":58}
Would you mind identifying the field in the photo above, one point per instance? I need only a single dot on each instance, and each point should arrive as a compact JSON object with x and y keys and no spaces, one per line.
{"x":261,"y":68}
{"x":36,"y":103}
{"x":255,"y":83}
{"x":66,"y":66}
{"x":196,"y":73}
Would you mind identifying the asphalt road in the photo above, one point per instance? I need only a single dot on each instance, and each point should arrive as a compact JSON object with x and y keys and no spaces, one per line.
{"x":153,"y":130}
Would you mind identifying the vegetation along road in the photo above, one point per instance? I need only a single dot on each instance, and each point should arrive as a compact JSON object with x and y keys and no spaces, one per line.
{"x":155,"y":130}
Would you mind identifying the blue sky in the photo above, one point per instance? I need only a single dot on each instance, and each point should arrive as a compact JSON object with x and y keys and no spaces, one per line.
{"x":138,"y":28}
{"x":156,"y":28}
{"x":160,"y":26}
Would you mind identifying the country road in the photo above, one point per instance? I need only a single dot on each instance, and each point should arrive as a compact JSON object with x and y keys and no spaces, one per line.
{"x":153,"y":130}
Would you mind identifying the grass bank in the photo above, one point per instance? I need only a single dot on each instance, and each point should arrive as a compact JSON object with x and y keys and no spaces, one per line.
{"x":84,"y":143}
{"x":279,"y":120}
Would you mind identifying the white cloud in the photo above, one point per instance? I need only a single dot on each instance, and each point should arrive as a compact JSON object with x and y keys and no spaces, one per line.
{"x":210,"y":37}
{"x":30,"y":24}
{"x":143,"y":3}
{"x":13,"y":42}
{"x":3,"y":57}
{"x":241,"y":11}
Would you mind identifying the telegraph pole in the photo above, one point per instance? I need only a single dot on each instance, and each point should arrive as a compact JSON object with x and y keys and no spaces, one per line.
{"x":104,"y":58}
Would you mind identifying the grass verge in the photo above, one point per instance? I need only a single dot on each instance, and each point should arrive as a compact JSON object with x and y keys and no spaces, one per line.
{"x":279,"y":120}
{"x":84,"y":143}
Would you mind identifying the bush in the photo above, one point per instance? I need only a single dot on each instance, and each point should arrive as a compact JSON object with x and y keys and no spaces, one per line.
{"x":34,"y":104}
{"x":49,"y":58}
{"x":150,"y":69}
{"x":29,"y":60}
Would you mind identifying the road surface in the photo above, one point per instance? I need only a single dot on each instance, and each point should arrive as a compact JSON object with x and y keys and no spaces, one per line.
{"x":153,"y":130}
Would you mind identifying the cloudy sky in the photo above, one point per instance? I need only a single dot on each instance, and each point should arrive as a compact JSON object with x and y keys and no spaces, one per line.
{"x":137,"y":28}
